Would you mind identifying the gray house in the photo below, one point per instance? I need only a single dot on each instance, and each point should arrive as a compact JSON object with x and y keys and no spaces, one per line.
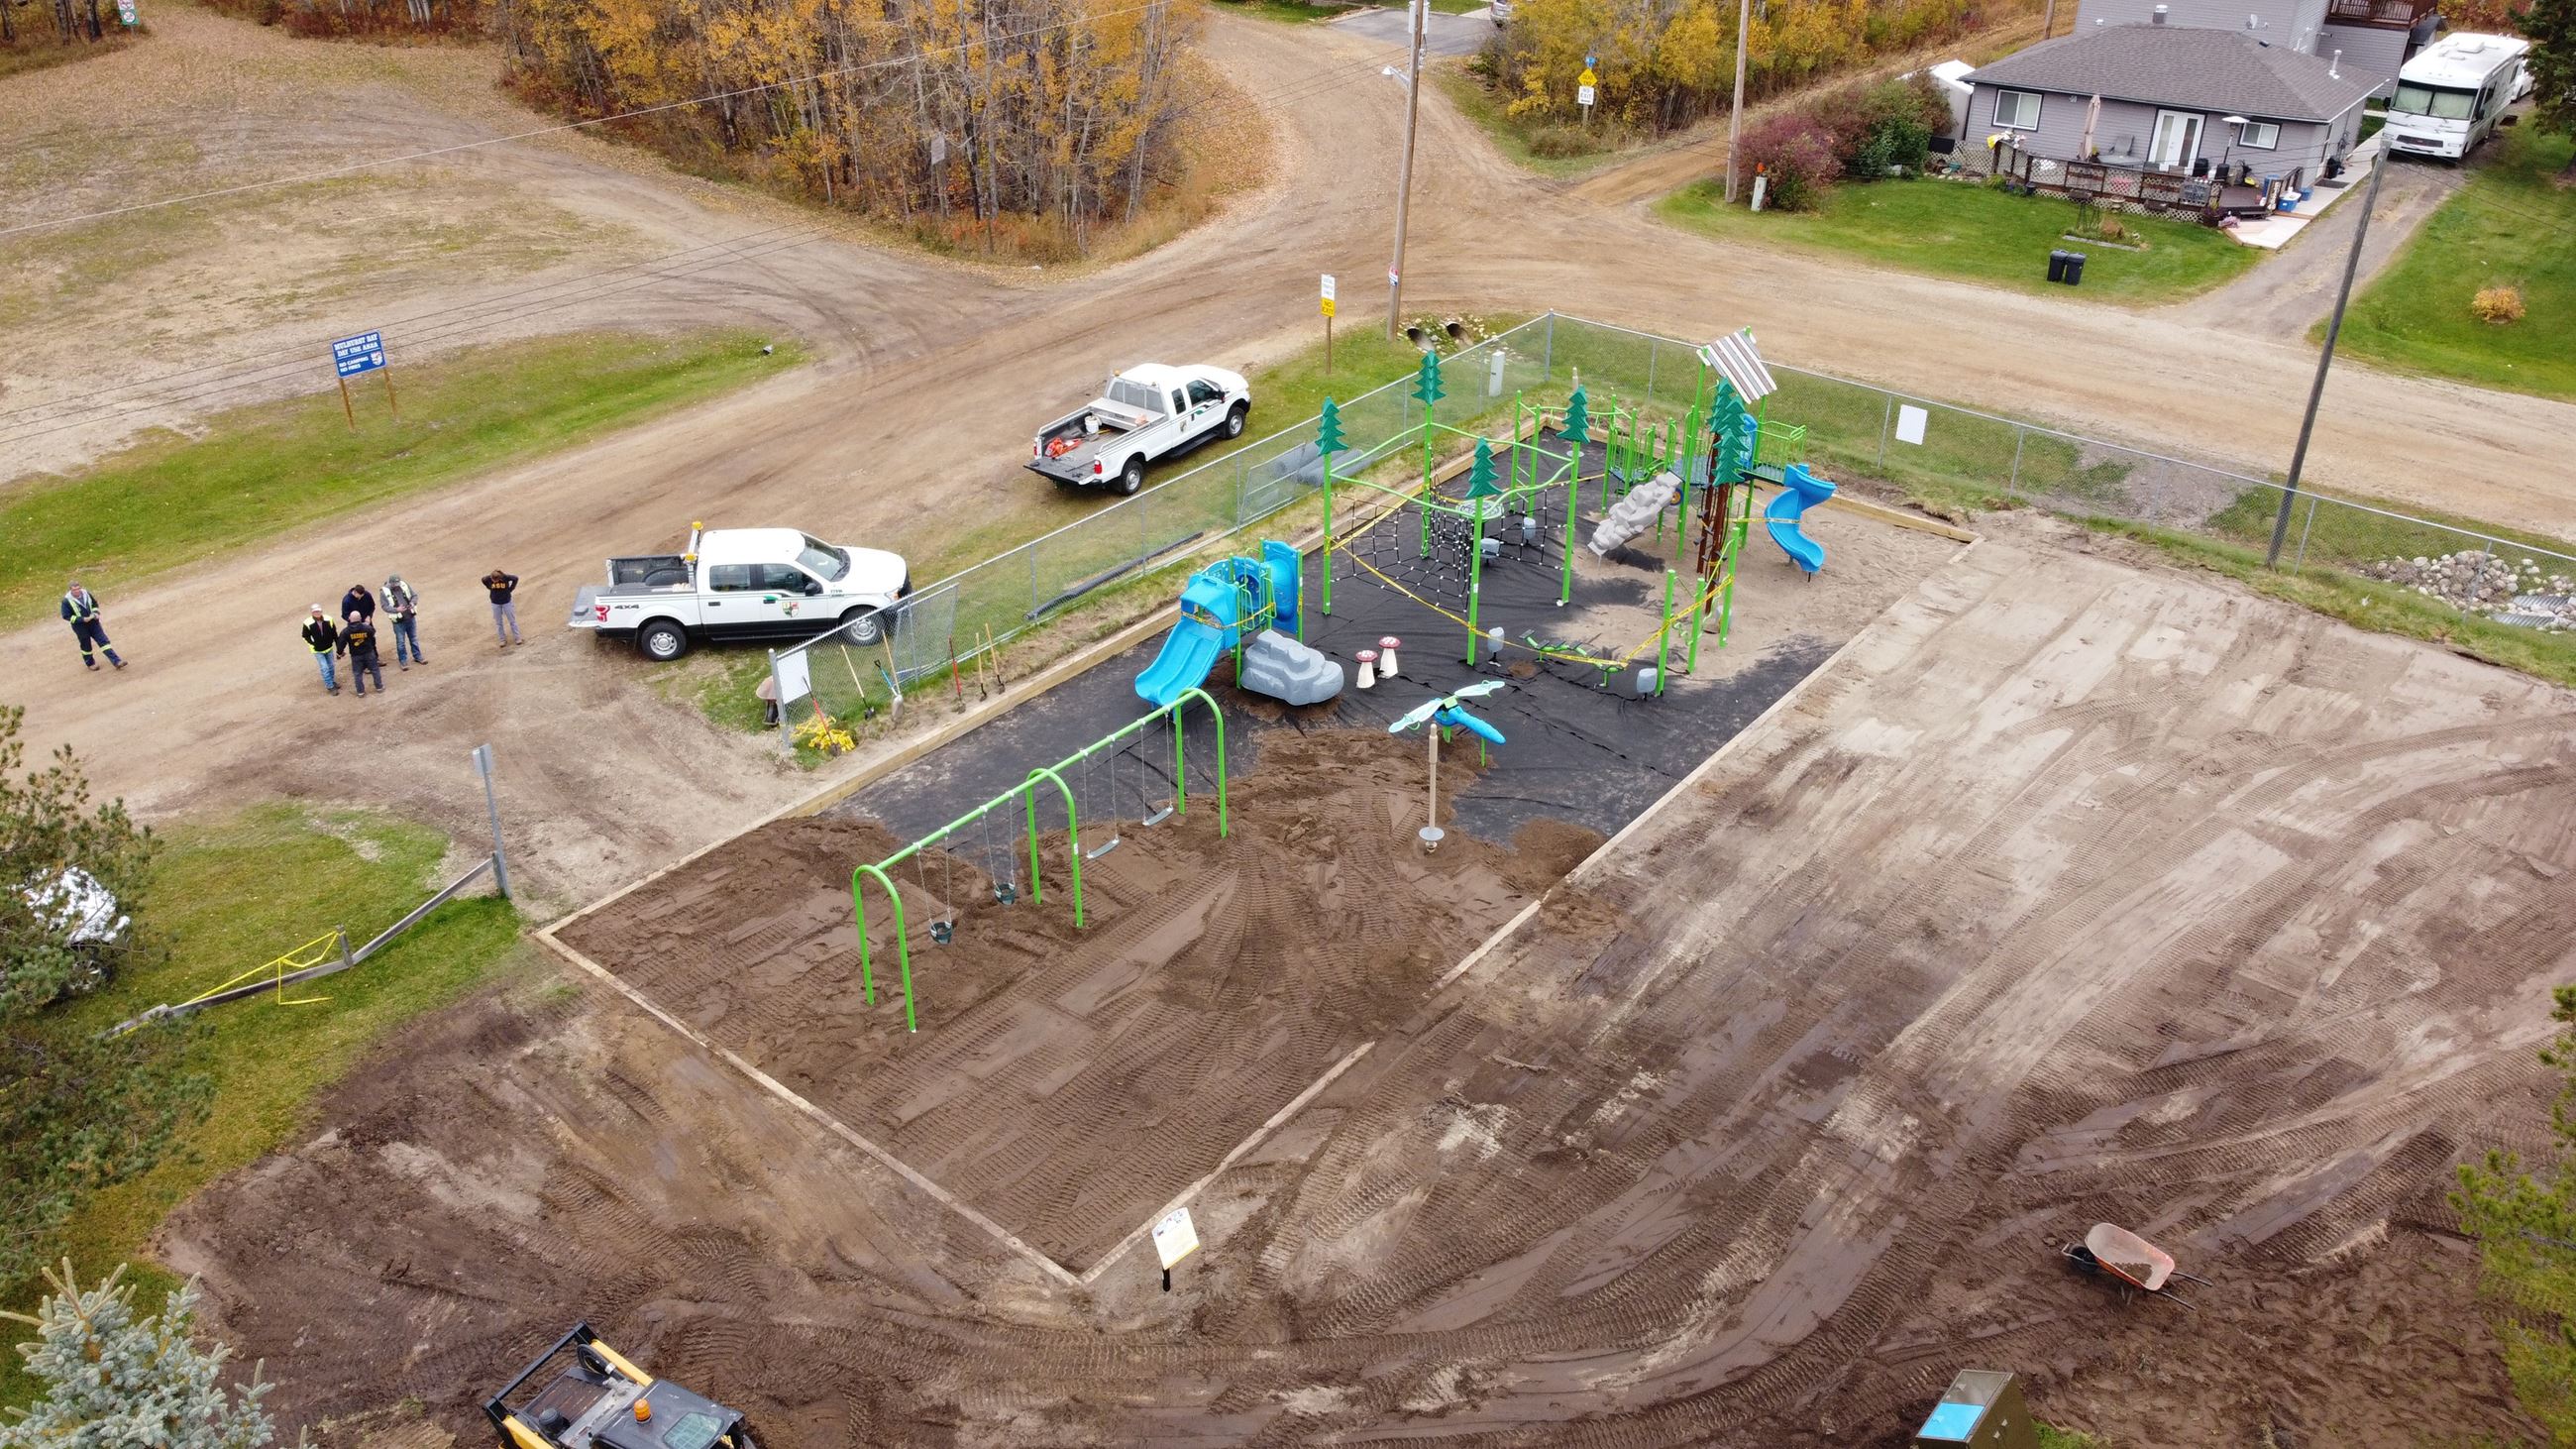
{"x":2373,"y":36}
{"x":2168,"y":101}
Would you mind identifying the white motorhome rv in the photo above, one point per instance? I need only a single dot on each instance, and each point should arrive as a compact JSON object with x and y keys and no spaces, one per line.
{"x":2450,"y":96}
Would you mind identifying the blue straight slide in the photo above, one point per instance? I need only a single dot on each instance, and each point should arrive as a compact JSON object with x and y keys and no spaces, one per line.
{"x":1205,"y":633}
{"x":1800,"y":491}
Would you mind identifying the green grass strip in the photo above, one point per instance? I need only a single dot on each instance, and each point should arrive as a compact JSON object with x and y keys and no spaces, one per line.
{"x":260,"y":470}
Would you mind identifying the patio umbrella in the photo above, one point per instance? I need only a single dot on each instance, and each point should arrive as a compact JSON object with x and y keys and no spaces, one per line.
{"x":2092,"y":114}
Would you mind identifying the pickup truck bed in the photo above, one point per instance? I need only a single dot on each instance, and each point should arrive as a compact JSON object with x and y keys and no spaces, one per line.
{"x":1074,"y":464}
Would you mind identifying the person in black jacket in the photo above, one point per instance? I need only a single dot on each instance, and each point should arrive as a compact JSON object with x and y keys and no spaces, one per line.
{"x":323,"y":638}
{"x":358,"y":604}
{"x":80,"y":610}
{"x":505,"y":615}
{"x":358,"y":641}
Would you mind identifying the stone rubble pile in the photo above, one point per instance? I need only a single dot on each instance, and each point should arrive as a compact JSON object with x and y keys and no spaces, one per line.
{"x":2503,"y":588}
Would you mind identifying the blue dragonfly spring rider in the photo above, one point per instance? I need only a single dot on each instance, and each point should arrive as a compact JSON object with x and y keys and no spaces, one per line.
{"x":1447,"y":713}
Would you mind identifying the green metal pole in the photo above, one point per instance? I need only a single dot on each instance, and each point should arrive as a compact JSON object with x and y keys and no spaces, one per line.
{"x":1681,"y":520}
{"x":1218,"y":715}
{"x":1072,"y":830}
{"x":1475,"y":573}
{"x":1328,"y":538}
{"x":1664,"y":636}
{"x":903,"y":948}
{"x":1573,"y":483}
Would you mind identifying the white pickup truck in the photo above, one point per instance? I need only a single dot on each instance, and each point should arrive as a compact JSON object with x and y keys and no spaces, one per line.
{"x":742,"y":583}
{"x":1150,"y":411}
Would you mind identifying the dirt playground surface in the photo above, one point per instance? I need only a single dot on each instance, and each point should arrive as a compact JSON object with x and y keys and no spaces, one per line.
{"x":2068,"y":891}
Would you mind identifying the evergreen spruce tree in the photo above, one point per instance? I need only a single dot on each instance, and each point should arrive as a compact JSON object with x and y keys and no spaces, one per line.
{"x":113,"y":1378}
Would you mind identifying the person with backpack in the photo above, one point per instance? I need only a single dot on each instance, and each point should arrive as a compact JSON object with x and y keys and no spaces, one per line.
{"x":323,"y":638}
{"x":358,"y":641}
{"x":80,"y":610}
{"x":500,"y":584}
{"x":402,"y":606}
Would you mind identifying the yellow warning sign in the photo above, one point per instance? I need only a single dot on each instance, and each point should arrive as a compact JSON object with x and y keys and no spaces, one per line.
{"x":1587,"y":78}
{"x":1327,"y":305}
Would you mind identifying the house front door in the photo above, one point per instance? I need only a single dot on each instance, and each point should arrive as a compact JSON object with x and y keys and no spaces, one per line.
{"x":2176,"y":141}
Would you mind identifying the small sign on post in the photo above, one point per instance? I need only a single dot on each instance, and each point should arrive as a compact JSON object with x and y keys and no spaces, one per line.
{"x":1584,"y":89}
{"x":1175,"y":1238}
{"x":1326,"y":305}
{"x":355,"y":357}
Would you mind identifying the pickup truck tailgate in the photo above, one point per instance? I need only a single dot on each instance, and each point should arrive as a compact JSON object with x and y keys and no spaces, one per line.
{"x":587,"y":612}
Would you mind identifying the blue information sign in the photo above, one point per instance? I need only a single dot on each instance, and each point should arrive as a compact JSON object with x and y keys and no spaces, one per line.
{"x":362,"y":353}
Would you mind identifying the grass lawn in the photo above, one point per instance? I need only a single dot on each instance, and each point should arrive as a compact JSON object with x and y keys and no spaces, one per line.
{"x":1478,"y":104}
{"x":2509,"y":225}
{"x":1292,"y":12}
{"x":228,"y":894}
{"x":259,"y":470}
{"x":1975,"y":234}
{"x":42,"y":52}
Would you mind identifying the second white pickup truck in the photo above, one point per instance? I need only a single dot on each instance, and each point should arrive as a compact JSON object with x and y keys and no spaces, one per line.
{"x":742,"y":583}
{"x":1150,"y":411}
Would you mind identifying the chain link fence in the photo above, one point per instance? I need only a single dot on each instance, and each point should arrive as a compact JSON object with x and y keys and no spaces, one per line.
{"x":859,"y":667}
{"x":1953,"y":458}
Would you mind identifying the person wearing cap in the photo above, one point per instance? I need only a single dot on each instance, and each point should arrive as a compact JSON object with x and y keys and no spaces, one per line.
{"x":323,"y":638}
{"x":500,"y":583}
{"x":80,"y":610}
{"x":358,"y":604}
{"x":358,"y":641}
{"x":402,"y":605}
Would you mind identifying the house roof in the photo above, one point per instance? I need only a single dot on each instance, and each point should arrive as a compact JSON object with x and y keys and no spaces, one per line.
{"x":2186,"y":66}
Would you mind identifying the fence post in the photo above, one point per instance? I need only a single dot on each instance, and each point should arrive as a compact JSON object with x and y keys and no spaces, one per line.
{"x":2301,"y":561}
{"x":1033,"y":577}
{"x":1886,"y":418}
{"x":1144,"y":527}
{"x":1242,"y":476}
{"x":491,"y":807}
{"x":2012,"y":484}
{"x":778,"y":688}
{"x":1654,"y":348}
{"x":1547,"y":357}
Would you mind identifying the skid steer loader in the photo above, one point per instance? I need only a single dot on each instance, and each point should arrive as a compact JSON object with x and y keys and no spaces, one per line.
{"x":602,"y":1401}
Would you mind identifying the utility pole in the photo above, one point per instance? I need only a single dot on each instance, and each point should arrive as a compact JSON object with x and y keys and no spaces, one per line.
{"x":2325,"y":359}
{"x":1404,"y":180}
{"x":1735,"y":123}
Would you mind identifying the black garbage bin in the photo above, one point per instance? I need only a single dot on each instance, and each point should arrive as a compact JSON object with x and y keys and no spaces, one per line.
{"x":2057,"y":266}
{"x":2075,"y":269}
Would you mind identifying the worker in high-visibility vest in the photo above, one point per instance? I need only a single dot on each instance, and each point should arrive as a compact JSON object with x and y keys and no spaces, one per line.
{"x":80,"y":610}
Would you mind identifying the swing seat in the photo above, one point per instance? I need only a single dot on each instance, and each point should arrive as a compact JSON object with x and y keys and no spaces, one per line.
{"x":1158,"y":817}
{"x":1103,"y":848}
{"x":1003,"y":894}
{"x":943,"y":932}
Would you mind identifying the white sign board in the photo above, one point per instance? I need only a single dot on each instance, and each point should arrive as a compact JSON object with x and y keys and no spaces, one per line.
{"x":1175,"y":1237}
{"x":1583,"y":95}
{"x":1909,"y":423}
{"x":794,"y":682}
{"x":1328,"y":286}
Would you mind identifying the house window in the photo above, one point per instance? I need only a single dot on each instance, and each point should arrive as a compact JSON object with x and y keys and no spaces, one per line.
{"x":2259,"y":136}
{"x":2017,"y":110}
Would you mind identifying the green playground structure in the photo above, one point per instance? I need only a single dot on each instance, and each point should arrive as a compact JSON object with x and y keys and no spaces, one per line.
{"x":1025,"y":795}
{"x":1716,"y":449}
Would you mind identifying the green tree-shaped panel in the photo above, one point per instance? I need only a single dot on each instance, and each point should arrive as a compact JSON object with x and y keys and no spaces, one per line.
{"x":1426,"y":381}
{"x":1578,"y":419}
{"x":1328,"y":431}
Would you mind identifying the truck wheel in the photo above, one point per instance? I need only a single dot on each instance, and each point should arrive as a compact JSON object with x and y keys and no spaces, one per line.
{"x":662,"y":641}
{"x":1132,"y":477}
{"x":1234,"y":419}
{"x":863,"y":626}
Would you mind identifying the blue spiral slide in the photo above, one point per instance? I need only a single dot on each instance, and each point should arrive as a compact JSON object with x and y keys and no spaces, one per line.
{"x":1800,"y":490}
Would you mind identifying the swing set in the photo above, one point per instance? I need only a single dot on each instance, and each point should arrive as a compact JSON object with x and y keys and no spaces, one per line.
{"x":942,"y":929}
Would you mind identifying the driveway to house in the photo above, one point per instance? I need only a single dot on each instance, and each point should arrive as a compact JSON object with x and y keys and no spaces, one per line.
{"x":2293,"y":290}
{"x":604,"y":779}
{"x":1442,"y":34}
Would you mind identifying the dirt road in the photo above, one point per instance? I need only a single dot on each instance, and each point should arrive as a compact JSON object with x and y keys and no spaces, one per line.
{"x":2067,"y":892}
{"x":910,"y":428}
